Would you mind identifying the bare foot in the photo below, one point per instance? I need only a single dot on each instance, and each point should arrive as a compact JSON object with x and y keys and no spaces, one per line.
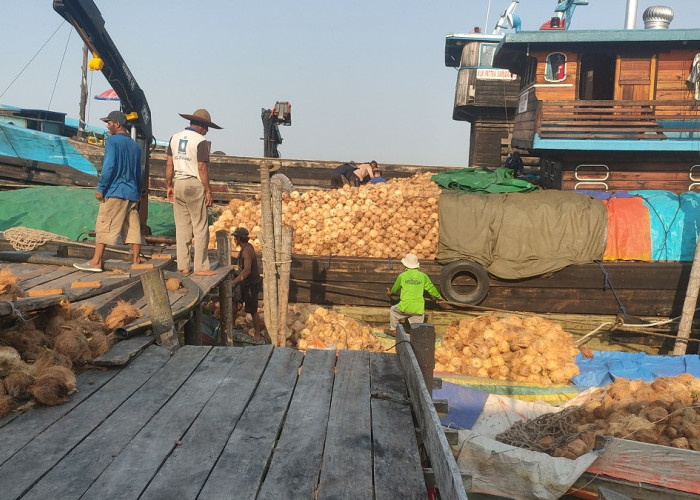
{"x":186,"y":272}
{"x":204,"y":273}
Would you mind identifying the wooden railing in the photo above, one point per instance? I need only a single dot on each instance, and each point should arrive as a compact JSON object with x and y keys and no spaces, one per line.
{"x":643,"y":120}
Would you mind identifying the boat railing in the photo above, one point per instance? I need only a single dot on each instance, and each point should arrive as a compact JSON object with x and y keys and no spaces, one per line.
{"x":641,"y":120}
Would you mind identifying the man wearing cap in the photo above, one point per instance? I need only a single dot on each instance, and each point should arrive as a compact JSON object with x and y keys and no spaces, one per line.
{"x":248,"y":278}
{"x":187,"y":180}
{"x":118,"y":191}
{"x":412,"y":284}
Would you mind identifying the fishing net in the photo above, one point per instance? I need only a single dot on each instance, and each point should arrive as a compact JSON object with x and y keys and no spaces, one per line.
{"x":24,"y":238}
{"x":545,"y":433}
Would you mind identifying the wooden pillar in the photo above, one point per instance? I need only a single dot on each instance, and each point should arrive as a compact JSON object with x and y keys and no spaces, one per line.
{"x":285,"y":267}
{"x":159,"y":309}
{"x":423,"y":342}
{"x":268,"y":251}
{"x":193,"y":327}
{"x":691,"y":300}
{"x":223,"y":253}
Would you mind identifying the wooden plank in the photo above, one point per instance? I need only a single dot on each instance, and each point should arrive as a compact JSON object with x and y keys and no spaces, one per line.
{"x":296,"y":463}
{"x":86,"y":284}
{"x":51,"y":273}
{"x":43,"y":292}
{"x":243,"y":462}
{"x":398,"y":472}
{"x":186,"y":469}
{"x":124,"y":350}
{"x":26,"y":426}
{"x":347,"y":459}
{"x":131,"y":471}
{"x":448,"y":477}
{"x":36,"y":458}
{"x":76,"y":473}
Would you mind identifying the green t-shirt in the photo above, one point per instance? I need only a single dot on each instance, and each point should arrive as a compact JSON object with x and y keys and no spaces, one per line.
{"x":412,"y":284}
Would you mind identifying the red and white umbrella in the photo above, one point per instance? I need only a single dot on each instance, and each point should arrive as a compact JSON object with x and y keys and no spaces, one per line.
{"x":107,"y":95}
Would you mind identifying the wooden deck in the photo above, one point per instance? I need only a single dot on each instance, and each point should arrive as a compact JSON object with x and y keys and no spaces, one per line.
{"x":231,"y":422}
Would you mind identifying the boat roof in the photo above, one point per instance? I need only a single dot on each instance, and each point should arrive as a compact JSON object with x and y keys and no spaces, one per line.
{"x":513,"y":45}
{"x":454,"y":43}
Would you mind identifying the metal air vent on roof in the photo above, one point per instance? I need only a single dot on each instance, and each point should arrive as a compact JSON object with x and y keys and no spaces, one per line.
{"x":657,"y":17}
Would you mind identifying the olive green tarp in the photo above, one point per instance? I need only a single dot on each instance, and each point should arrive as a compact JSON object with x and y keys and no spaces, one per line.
{"x":69,"y":211}
{"x":477,"y":180}
{"x":520,"y":235}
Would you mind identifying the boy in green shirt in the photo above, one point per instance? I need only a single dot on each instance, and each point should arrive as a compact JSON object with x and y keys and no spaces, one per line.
{"x":412,"y":283}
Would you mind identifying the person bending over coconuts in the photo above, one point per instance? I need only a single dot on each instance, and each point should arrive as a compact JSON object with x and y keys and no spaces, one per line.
{"x":248,"y":278}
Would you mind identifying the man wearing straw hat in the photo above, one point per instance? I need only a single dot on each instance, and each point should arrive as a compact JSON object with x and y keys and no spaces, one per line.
{"x":187,"y":179}
{"x":412,"y":283}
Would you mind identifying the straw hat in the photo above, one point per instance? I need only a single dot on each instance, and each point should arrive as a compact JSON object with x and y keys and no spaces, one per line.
{"x":201,"y":116}
{"x":410,"y":261}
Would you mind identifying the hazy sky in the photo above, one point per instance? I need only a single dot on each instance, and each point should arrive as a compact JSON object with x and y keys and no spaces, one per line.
{"x":366,"y":79}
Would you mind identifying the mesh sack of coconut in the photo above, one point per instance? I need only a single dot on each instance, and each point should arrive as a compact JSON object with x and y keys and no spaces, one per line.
{"x":318,"y":328}
{"x":530,"y":349}
{"x":664,"y":412}
{"x":334,"y":221}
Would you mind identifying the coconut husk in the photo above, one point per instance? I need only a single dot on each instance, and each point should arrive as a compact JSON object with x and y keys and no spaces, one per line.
{"x":9,"y":285}
{"x":51,"y":358}
{"x":10,"y":361}
{"x":51,"y":320}
{"x":25,"y":338}
{"x":74,"y":345}
{"x":173,"y":284}
{"x":99,"y":344}
{"x":6,"y":404}
{"x":50,"y":391}
{"x":122,"y":314}
{"x":17,"y":384}
{"x":65,"y":374}
{"x":86,"y":311}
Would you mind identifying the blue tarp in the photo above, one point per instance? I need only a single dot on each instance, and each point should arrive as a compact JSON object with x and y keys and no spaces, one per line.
{"x":675,"y":220}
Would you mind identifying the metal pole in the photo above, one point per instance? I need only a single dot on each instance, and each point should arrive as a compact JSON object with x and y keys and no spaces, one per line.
{"x":83,"y":92}
{"x":631,"y":15}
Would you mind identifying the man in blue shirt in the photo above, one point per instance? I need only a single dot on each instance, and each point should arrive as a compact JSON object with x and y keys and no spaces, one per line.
{"x":118,"y":192}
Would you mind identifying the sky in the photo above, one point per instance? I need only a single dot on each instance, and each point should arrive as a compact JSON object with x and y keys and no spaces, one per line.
{"x":366,"y":79}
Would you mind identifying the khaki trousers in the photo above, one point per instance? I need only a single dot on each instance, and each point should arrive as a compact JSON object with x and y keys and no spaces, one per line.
{"x":190,"y":212}
{"x":395,"y":315}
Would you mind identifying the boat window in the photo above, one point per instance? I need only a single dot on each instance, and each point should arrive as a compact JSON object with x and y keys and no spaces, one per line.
{"x":556,"y":67}
{"x":530,"y":74}
{"x":487,"y":52}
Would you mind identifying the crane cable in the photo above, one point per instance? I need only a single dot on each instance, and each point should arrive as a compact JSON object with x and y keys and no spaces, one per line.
{"x":30,"y":61}
{"x":60,"y":66}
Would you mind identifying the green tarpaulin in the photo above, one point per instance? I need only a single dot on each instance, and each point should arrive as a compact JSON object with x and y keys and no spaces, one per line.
{"x":68,"y":211}
{"x":477,"y":180}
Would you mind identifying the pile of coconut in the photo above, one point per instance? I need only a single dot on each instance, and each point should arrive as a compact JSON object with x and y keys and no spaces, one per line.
{"x":376,"y":220}
{"x":315,"y":327}
{"x":664,"y":412}
{"x":39,"y":357}
{"x":530,"y":349}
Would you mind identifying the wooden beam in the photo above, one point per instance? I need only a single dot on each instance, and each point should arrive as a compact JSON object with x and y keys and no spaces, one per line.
{"x":159,"y":308}
{"x":223,"y":252}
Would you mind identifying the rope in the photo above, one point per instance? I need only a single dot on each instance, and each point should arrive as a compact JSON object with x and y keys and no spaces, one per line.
{"x":607,"y":284}
{"x":70,"y":32}
{"x":24,"y":238}
{"x":33,"y":57}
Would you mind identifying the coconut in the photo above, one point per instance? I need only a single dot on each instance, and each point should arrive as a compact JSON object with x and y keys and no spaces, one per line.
{"x":17,"y":384}
{"x":61,"y":372}
{"x":9,"y":285}
{"x":173,"y":284}
{"x":51,"y":358}
{"x":99,"y":343}
{"x":74,"y":345}
{"x":6,"y":404}
{"x":86,"y":311}
{"x":122,"y":314}
{"x":50,"y":390}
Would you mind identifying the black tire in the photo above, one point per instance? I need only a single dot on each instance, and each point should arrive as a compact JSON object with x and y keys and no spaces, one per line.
{"x":468,"y":268}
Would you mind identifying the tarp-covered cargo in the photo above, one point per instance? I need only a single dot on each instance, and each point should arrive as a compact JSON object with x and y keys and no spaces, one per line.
{"x":520,"y":235}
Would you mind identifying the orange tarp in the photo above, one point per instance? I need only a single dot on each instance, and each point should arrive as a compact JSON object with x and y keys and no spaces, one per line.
{"x":629,"y":230}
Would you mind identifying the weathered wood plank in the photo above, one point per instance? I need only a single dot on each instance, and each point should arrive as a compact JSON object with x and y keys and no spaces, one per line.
{"x":124,"y":350}
{"x":296,"y":462}
{"x":82,"y":465}
{"x":398,"y":472}
{"x":447,"y":475}
{"x":129,"y":473}
{"x":36,"y":458}
{"x":347,"y":459}
{"x":30,"y":424}
{"x":186,"y":469}
{"x":242,"y":464}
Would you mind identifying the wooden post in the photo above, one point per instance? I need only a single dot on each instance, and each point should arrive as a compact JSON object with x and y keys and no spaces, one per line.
{"x":285,"y":267}
{"x":691,"y":300}
{"x":423,"y":342}
{"x":223,"y":253}
{"x":193,"y":327}
{"x":276,"y":197}
{"x":268,"y":251}
{"x":159,"y":309}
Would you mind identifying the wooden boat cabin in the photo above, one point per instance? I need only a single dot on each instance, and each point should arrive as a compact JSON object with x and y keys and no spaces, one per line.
{"x":485,"y":96}
{"x":610,"y":110}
